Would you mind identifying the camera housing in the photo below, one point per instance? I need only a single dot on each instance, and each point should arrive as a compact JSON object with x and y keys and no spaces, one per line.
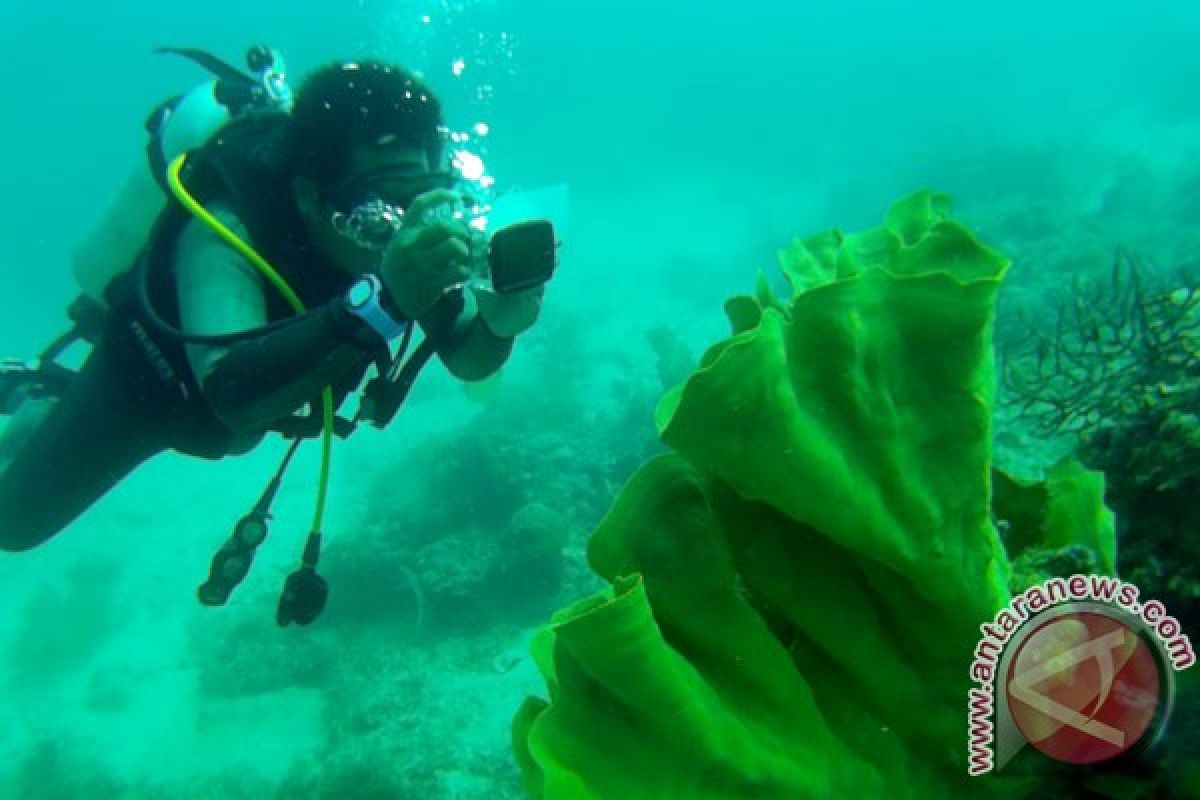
{"x":522,"y":256}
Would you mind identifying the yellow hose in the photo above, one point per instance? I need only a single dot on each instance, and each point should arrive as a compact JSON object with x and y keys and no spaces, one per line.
{"x":276,"y":280}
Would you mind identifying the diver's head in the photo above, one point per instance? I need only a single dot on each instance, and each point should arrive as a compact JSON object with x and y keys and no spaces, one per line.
{"x":365,"y":138}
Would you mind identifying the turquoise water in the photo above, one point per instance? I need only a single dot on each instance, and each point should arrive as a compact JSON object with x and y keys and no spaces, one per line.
{"x":694,"y":143}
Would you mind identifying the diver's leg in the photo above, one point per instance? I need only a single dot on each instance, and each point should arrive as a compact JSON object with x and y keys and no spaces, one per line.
{"x":94,"y":436}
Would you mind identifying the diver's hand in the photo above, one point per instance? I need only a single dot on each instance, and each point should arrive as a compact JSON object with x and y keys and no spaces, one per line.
{"x":427,"y":257}
{"x":508,"y":315}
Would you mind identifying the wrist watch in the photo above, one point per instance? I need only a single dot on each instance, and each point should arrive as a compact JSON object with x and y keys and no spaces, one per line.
{"x":364,"y":299}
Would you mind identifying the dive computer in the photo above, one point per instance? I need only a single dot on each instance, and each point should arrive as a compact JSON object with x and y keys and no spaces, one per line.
{"x":364,"y":299}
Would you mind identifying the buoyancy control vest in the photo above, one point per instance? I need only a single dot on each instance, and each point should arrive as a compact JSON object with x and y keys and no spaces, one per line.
{"x":245,"y":170}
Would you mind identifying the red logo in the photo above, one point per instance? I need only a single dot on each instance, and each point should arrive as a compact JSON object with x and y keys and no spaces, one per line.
{"x":1083,"y":687}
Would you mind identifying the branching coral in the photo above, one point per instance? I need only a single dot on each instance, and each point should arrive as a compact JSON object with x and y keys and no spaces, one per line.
{"x":1119,"y":371}
{"x":1120,"y":354}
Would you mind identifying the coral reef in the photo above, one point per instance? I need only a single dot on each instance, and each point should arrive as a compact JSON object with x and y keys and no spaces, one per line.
{"x":490,"y":529}
{"x":672,"y":358}
{"x":472,"y":536}
{"x":1118,"y":373}
{"x":248,"y":660}
{"x":85,"y":615}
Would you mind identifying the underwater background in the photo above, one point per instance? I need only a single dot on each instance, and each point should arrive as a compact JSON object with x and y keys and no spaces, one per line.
{"x":695,"y":141}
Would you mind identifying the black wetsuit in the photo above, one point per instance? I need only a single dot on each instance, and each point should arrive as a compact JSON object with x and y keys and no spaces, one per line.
{"x":136,"y":395}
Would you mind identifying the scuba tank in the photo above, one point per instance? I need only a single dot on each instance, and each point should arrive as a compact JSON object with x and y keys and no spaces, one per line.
{"x":180,"y":124}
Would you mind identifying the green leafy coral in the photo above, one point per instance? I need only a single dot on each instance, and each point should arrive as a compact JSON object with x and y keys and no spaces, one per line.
{"x":1058,"y":526}
{"x":796,"y":589}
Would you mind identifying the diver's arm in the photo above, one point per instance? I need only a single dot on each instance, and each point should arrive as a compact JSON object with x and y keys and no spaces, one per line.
{"x":495,"y":322}
{"x":254,"y":383}
{"x":425,"y":269}
{"x":476,"y":328}
{"x":262,"y":380}
{"x":478,"y":355}
{"x":219,"y":291}
{"x":467,"y":347}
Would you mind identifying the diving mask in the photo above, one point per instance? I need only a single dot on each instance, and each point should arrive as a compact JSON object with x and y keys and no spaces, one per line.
{"x":370,"y":224}
{"x":369,"y":209}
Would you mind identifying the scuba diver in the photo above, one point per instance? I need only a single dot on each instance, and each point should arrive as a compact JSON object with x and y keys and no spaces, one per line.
{"x":302,"y":240}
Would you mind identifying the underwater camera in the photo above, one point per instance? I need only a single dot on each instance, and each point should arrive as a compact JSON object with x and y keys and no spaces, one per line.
{"x":516,"y":257}
{"x":522,"y":256}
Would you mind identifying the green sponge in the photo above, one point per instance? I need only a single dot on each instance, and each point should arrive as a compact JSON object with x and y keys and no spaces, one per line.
{"x":796,"y":590}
